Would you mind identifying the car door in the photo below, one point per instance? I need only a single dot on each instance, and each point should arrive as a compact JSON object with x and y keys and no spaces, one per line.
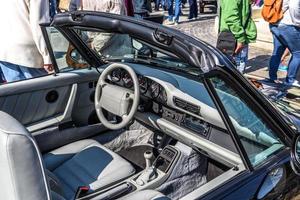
{"x":60,"y":101}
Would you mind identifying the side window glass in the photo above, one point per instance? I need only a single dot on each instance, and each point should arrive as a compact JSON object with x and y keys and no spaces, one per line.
{"x":66,"y":56}
{"x":258,"y":139}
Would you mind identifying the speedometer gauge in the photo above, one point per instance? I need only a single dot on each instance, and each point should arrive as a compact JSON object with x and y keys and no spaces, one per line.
{"x":116,"y":75}
{"x":143,"y":81}
{"x":128,"y":83}
{"x":154,"y":89}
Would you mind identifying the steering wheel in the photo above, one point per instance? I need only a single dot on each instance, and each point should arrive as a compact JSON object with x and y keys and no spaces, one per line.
{"x":117,"y":100}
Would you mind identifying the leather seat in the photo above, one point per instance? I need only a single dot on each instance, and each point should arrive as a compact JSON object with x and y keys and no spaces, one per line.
{"x":145,"y":195}
{"x":24,"y":176}
{"x":86,"y":163}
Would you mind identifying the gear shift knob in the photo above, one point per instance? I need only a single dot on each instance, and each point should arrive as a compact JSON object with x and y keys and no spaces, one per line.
{"x":148,"y":155}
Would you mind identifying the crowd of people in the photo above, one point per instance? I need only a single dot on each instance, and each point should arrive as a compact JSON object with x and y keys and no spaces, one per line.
{"x":284,"y":19}
{"x":26,"y":56}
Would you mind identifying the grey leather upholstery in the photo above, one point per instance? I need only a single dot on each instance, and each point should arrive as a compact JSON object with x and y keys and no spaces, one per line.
{"x":21,"y":167}
{"x":86,"y":163}
{"x":146,"y":195}
{"x":30,"y":107}
{"x":23,"y":175}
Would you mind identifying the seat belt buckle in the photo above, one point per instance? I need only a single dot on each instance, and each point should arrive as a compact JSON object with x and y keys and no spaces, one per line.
{"x":81,"y":191}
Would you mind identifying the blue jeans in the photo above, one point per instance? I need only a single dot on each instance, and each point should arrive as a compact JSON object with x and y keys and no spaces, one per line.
{"x":12,"y":72}
{"x":171,"y":10}
{"x":278,"y":51}
{"x":53,"y":8}
{"x":288,"y":36}
{"x":193,"y":9}
{"x":241,"y":59}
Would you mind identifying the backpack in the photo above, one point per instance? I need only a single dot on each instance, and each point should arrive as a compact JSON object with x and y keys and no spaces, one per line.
{"x":272,"y":11}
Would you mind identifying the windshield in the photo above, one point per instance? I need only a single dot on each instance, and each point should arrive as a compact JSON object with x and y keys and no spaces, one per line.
{"x":118,"y":47}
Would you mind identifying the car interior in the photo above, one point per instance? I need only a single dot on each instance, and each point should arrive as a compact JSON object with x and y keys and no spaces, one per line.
{"x":125,"y":130}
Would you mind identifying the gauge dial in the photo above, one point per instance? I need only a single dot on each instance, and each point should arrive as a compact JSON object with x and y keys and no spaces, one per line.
{"x":163,"y":97}
{"x":154,"y":89}
{"x":127,"y":80}
{"x":143,"y":81}
{"x":116,"y":75}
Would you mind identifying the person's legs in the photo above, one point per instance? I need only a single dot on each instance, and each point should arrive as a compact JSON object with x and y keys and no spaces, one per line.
{"x":241,"y":59}
{"x":195,"y":9}
{"x":278,"y":51}
{"x":32,"y":72}
{"x":170,"y":9}
{"x":177,"y":10}
{"x":53,"y":8}
{"x":157,"y":2}
{"x":191,"y":13}
{"x":291,"y":36}
{"x":11,"y":72}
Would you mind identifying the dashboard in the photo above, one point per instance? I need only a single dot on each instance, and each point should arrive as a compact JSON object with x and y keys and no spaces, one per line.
{"x":156,"y":99}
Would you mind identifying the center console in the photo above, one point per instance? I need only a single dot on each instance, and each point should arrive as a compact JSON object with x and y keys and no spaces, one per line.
{"x":150,"y":178}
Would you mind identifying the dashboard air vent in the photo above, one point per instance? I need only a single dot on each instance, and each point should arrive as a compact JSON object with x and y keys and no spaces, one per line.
{"x":186,"y":105}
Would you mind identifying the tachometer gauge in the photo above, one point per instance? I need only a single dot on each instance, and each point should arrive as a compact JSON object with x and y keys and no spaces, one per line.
{"x":127,"y":80}
{"x":116,"y":75}
{"x":143,"y":81}
{"x":154,"y":89}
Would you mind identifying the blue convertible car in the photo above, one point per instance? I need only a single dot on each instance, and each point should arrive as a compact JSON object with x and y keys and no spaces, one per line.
{"x":138,"y":111}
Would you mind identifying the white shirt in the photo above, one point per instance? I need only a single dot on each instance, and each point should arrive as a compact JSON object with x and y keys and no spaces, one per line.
{"x":21,"y":39}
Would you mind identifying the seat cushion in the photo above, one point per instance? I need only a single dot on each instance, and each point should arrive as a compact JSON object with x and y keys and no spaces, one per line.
{"x":146,"y":195}
{"x":86,"y":163}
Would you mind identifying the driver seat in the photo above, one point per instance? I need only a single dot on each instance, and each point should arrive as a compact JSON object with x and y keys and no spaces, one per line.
{"x":25,"y":174}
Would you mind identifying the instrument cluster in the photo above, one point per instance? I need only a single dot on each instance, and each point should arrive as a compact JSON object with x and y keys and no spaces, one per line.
{"x":148,"y":87}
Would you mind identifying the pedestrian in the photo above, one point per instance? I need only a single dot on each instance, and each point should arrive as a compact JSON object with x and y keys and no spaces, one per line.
{"x":286,"y":34}
{"x":53,"y":8}
{"x":193,"y":10}
{"x":174,"y":14}
{"x":23,"y":52}
{"x":236,"y":25}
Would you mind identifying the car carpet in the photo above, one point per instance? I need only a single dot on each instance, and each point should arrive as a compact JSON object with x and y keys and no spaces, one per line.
{"x":135,"y":155}
{"x":188,"y":174}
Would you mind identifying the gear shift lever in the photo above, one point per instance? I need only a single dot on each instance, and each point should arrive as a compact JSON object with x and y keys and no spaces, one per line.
{"x":149,"y":173}
{"x":148,"y":155}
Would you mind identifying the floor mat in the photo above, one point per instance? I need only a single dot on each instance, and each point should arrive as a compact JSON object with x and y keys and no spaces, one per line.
{"x":135,"y":155}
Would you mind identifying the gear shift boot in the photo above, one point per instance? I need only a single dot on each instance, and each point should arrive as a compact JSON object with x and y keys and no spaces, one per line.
{"x":149,"y":173}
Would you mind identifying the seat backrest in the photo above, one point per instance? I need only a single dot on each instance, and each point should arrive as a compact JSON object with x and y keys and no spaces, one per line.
{"x":21,"y":166}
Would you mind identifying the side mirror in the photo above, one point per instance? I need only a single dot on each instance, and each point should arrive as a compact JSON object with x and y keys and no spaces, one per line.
{"x":295,"y":155}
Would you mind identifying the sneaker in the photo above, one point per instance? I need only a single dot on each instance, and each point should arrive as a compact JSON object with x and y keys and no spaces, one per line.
{"x":295,"y":84}
{"x":168,"y":22}
{"x":176,"y":23}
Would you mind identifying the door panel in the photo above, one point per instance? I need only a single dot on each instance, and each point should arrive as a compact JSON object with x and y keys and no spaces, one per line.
{"x":31,"y":107}
{"x":46,"y":101}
